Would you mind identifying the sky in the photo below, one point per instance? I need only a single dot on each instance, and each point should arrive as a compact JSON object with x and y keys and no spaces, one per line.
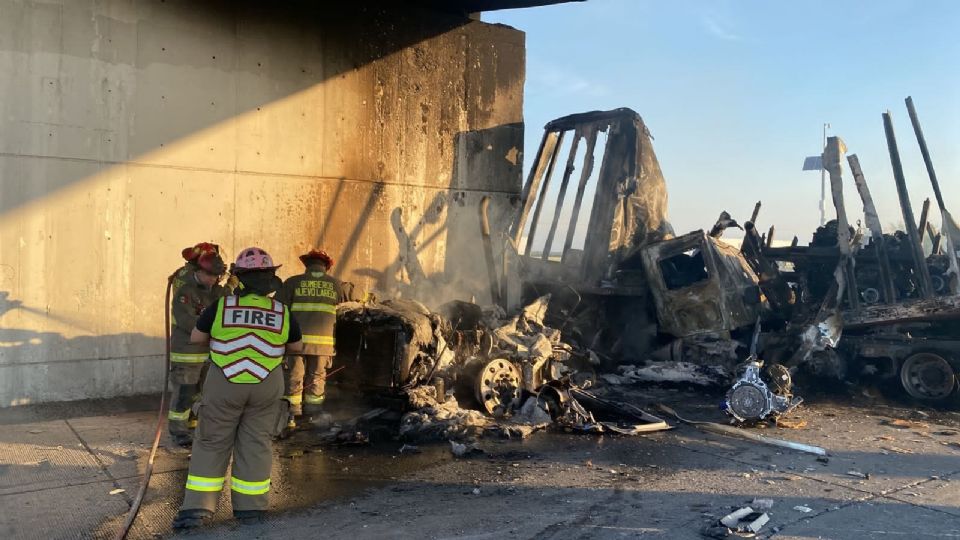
{"x":735,"y":94}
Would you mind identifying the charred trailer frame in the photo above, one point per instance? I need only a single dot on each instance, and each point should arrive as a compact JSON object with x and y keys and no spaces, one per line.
{"x":901,"y":317}
{"x":600,"y":287}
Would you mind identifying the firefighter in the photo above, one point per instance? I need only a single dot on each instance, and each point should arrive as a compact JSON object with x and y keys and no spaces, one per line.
{"x":242,"y":406}
{"x":190,"y":256}
{"x":313,"y":296}
{"x":199,"y":289}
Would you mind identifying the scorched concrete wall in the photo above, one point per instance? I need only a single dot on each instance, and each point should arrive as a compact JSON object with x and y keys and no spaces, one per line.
{"x":131,"y":129}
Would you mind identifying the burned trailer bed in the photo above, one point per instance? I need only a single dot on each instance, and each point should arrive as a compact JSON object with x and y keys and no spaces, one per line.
{"x":916,"y":343}
{"x":898,"y":306}
{"x":912,"y":342}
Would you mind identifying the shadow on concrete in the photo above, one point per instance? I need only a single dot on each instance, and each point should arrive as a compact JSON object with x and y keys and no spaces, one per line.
{"x":352,"y":33}
{"x":47,"y":366}
{"x":480,"y":168}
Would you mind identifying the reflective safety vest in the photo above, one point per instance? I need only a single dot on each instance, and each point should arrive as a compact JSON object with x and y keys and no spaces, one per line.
{"x":313,"y":296}
{"x":248,"y":337}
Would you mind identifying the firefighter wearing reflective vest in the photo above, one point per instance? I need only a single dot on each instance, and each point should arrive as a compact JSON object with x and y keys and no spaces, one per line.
{"x":242,"y":406}
{"x":199,"y":289}
{"x":313,"y":296}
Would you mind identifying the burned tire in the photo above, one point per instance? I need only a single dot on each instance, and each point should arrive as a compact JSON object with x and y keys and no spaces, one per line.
{"x":929,"y":377}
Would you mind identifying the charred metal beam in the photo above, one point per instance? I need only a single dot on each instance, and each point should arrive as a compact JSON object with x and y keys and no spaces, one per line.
{"x":588,"y":165}
{"x":753,"y":219}
{"x":832,"y":162}
{"x":543,"y":194}
{"x":488,"y":252}
{"x":571,"y":121}
{"x":872,"y":220}
{"x":936,"y":241}
{"x":912,"y":111}
{"x":567,"y":173}
{"x":772,"y":283}
{"x":548,"y":147}
{"x":924,"y":212}
{"x":949,"y":228}
{"x":770,"y":236}
{"x":619,"y":162}
{"x":926,"y":287}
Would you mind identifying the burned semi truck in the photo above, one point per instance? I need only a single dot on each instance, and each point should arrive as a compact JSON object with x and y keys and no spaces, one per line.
{"x":626,"y":287}
{"x":591,"y":276}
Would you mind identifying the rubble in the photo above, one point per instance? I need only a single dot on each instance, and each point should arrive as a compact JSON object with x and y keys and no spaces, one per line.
{"x":674,"y":372}
{"x":641,"y":305}
{"x":443,"y":421}
{"x":744,"y":520}
{"x":463,"y":450}
{"x":838,"y":307}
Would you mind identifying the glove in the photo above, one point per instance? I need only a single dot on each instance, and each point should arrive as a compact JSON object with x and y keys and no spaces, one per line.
{"x":233,"y":283}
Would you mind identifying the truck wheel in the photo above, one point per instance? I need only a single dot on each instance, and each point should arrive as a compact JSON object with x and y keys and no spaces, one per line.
{"x":928,"y":376}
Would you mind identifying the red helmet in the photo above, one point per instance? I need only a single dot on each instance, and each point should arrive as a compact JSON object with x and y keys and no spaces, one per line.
{"x":191,"y":254}
{"x":253,"y":258}
{"x":211,"y":263}
{"x":317,"y":255}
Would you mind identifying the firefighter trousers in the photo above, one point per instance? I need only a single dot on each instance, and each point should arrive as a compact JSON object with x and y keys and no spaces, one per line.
{"x":185,"y":384}
{"x":304,"y":381}
{"x":238,"y":420}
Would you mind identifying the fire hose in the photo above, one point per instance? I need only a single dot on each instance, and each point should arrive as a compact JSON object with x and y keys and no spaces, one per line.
{"x":148,"y":471}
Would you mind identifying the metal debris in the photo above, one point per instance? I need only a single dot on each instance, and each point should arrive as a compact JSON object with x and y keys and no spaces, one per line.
{"x":731,"y":431}
{"x":463,"y":450}
{"x":751,"y":400}
{"x":745,"y":520}
{"x":675,"y":372}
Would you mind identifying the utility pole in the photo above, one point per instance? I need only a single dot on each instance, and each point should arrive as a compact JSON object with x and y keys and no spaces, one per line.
{"x":823,"y":179}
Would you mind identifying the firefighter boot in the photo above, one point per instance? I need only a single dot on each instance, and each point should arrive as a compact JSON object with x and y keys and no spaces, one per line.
{"x":249,"y":517}
{"x":191,"y":519}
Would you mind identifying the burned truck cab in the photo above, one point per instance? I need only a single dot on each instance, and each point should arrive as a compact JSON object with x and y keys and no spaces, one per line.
{"x":699,"y":284}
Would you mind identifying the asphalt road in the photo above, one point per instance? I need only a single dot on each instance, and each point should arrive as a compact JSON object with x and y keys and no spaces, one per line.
{"x":893,"y":472}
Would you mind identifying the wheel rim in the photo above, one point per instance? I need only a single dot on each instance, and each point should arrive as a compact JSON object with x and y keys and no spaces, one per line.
{"x":927,"y":376}
{"x":498,"y":387}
